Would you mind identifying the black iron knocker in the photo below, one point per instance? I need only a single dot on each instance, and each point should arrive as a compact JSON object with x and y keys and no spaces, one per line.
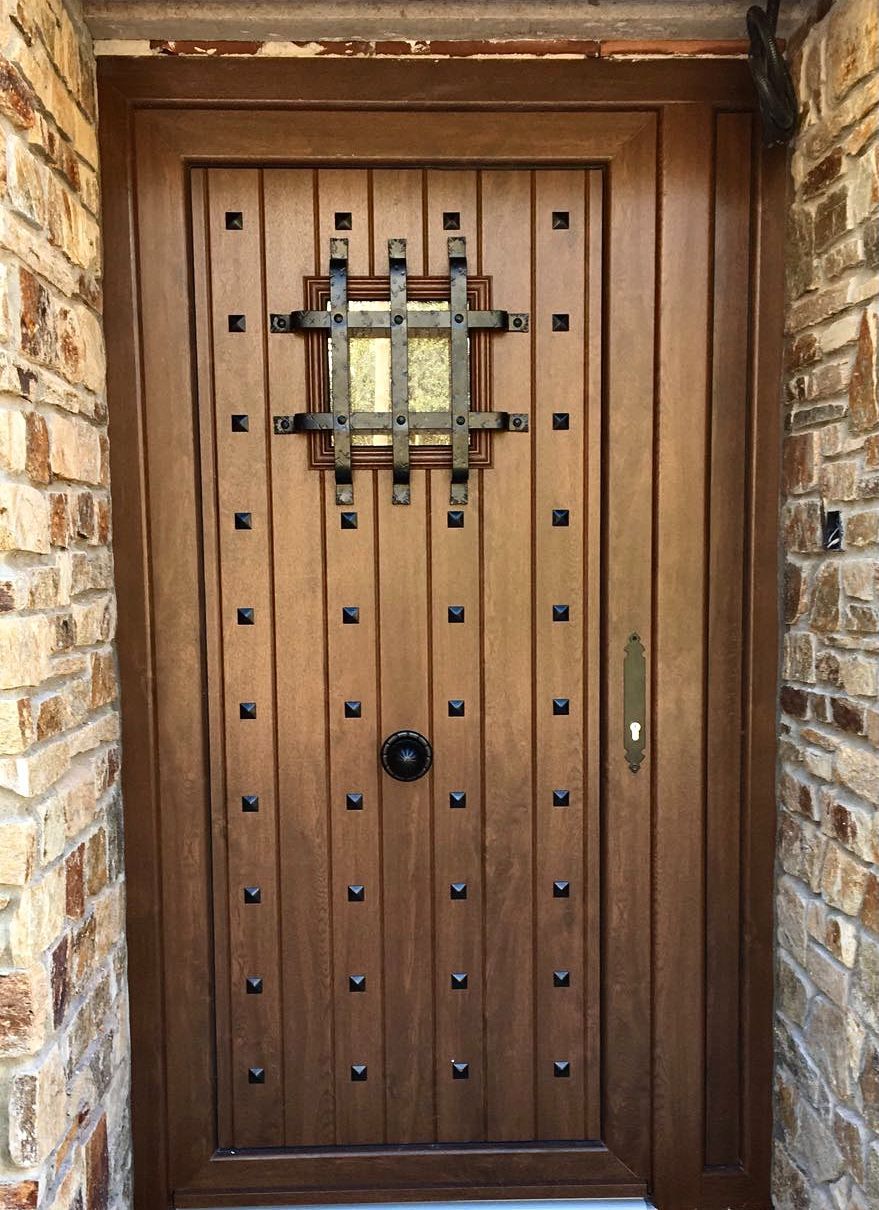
{"x":772,"y":79}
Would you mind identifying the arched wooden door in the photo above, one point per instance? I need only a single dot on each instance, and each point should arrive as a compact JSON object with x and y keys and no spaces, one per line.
{"x":450,"y":429}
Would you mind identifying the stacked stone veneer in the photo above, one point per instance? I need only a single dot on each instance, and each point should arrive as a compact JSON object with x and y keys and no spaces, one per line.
{"x":827,"y":1083}
{"x":63,"y":1022}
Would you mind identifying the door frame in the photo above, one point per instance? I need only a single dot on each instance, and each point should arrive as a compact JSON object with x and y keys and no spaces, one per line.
{"x":147,"y":144}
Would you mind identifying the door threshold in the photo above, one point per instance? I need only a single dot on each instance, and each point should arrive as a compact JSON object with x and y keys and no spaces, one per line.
{"x":559,"y":1203}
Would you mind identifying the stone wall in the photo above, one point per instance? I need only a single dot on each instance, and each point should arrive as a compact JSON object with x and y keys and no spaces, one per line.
{"x":827,"y":1085}
{"x":63,"y":1009}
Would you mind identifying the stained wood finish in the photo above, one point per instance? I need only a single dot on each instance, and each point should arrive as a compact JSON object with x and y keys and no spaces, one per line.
{"x":668,"y":272}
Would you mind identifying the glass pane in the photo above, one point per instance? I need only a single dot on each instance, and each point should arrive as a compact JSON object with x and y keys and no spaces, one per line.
{"x":370,"y":371}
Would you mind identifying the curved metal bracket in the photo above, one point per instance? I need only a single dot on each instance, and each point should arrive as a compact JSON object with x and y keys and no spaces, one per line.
{"x":772,"y":80}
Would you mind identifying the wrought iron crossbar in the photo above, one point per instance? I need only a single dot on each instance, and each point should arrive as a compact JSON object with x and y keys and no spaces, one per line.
{"x":339,"y":322}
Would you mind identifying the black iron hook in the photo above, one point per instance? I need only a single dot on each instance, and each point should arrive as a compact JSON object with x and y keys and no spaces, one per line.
{"x":772,"y":79}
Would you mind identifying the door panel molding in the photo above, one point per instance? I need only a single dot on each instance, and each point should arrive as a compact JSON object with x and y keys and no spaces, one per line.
{"x":155,"y":129}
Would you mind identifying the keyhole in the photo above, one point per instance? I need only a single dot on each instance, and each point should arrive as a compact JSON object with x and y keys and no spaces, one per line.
{"x":635,"y":731}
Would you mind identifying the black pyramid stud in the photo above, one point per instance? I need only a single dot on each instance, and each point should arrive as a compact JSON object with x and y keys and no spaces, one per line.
{"x":561,"y":613}
{"x":561,"y":889}
{"x":451,"y":220}
{"x":457,"y":799}
{"x":357,"y":983}
{"x":237,"y":323}
{"x":455,"y":519}
{"x":234,"y":220}
{"x":244,"y":521}
{"x":456,"y":613}
{"x":342,"y":220}
{"x":249,"y":802}
{"x":561,"y":798}
{"x":350,"y":615}
{"x":561,"y":705}
{"x":561,"y":220}
{"x":561,"y":1069}
{"x":561,"y":978}
{"x":253,"y":985}
{"x":352,"y":710}
{"x":358,"y":1072}
{"x":247,"y":710}
{"x":240,"y":422}
{"x":456,"y":707}
{"x":561,"y":420}
{"x":459,"y":981}
{"x":356,"y":892}
{"x":460,"y":1071}
{"x":348,"y":521}
{"x":560,"y":517}
{"x":560,"y":323}
{"x":245,"y":616}
{"x":256,"y":1075}
{"x":354,"y":801}
{"x":252,"y":894}
{"x":458,"y":890}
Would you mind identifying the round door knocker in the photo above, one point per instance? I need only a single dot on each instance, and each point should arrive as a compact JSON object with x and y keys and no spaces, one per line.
{"x":406,"y":755}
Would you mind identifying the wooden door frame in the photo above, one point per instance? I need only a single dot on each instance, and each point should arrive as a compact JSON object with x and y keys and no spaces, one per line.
{"x":152,"y":128}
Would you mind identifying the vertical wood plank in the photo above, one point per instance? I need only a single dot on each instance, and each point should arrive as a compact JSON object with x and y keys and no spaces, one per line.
{"x":353,"y":676}
{"x":680,"y":637}
{"x":454,"y":577}
{"x":559,"y":629}
{"x":723,"y":773}
{"x":507,"y":671}
{"x":592,"y":714}
{"x":301,"y":675}
{"x":402,"y":537}
{"x":246,"y":697}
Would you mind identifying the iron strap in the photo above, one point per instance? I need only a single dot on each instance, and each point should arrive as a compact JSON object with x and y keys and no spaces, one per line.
{"x":364,"y":321}
{"x":399,"y":369}
{"x":459,"y":352}
{"x":380,"y":422}
{"x":341,"y":371}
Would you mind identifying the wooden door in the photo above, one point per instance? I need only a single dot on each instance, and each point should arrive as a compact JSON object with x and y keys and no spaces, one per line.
{"x":529,"y":972}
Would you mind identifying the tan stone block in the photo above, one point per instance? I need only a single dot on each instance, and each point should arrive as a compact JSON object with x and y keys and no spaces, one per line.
{"x":24,"y":518}
{"x":38,"y":917}
{"x":859,"y":770}
{"x":828,"y":975}
{"x":74,"y":449}
{"x":16,"y":97}
{"x":18,"y":846}
{"x":843,"y":880}
{"x":839,"y":481}
{"x":25,"y":997}
{"x":792,"y":992}
{"x":94,"y":620}
{"x":17,"y":730}
{"x":37,"y":771}
{"x":801,"y":462}
{"x":862,"y":529}
{"x":825,"y":597}
{"x":53,"y":826}
{"x":35,"y":66}
{"x":863,"y":405}
{"x":27,"y":182}
{"x":13,"y":440}
{"x":859,"y":579}
{"x":852,"y":46}
{"x":25,"y":646}
{"x":865,"y":989}
{"x":859,"y":675}
{"x":799,"y":657}
{"x":37,"y":1111}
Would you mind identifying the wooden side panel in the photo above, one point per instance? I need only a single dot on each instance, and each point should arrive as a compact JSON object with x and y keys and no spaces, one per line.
{"x":559,"y":323}
{"x":725,"y":600}
{"x":680,"y":650}
{"x":456,"y":673}
{"x":245,"y":697}
{"x":306,"y":808}
{"x":508,"y":672}
{"x":627,"y":980}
